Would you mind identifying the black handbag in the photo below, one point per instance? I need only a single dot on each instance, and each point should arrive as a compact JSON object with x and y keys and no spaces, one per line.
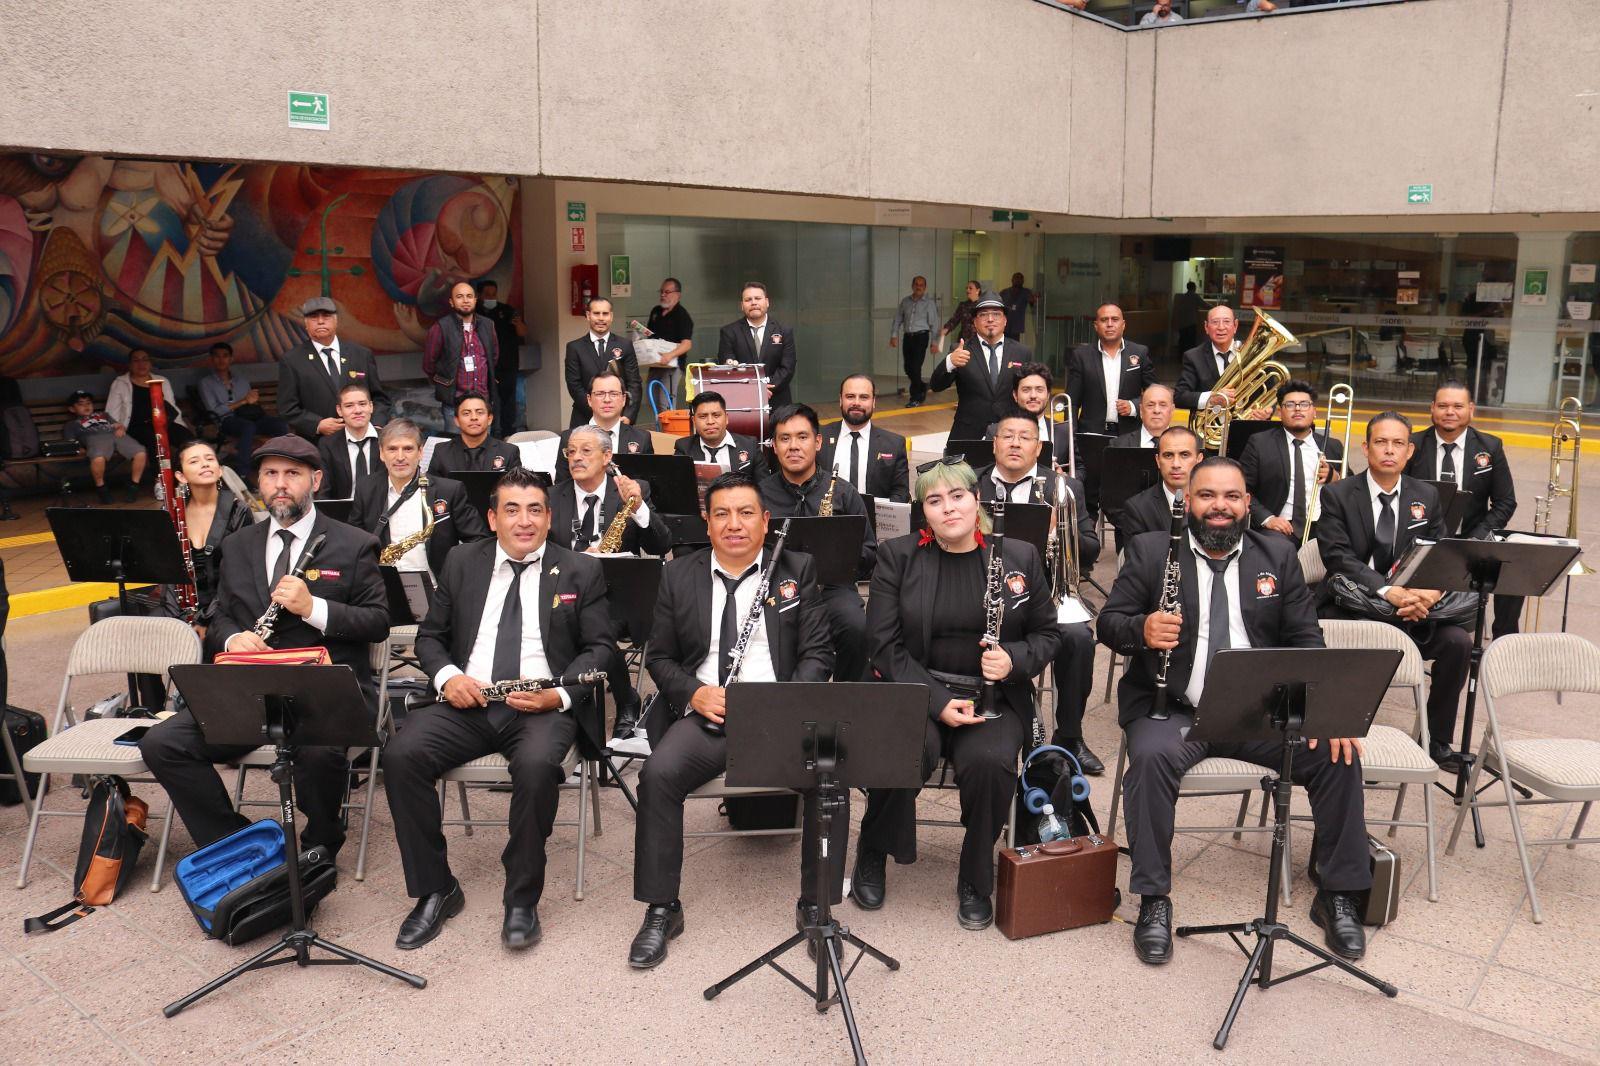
{"x":1453,"y":608}
{"x":61,"y":449}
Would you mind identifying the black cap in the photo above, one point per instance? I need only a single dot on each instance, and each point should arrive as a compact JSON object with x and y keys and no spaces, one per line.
{"x":988,"y":299}
{"x":79,"y":394}
{"x":288,"y":446}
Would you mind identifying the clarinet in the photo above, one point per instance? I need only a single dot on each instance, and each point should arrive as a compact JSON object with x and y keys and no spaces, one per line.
{"x":751,"y":620}
{"x":269,"y":617}
{"x":994,"y":601}
{"x":1171,"y":601}
{"x":501,"y":689}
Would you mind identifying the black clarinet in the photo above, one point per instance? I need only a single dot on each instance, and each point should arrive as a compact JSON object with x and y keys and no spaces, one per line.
{"x":1171,"y":600}
{"x":994,"y":600}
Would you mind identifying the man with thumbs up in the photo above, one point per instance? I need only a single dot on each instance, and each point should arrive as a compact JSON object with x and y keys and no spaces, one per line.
{"x":983,"y":373}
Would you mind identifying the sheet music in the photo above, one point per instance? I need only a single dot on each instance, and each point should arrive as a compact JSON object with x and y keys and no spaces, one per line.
{"x":427,"y":451}
{"x":540,"y":455}
{"x":894,"y":519}
{"x":1072,"y":611}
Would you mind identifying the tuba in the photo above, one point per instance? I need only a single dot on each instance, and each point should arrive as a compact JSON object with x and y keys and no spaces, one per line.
{"x":1253,"y":376}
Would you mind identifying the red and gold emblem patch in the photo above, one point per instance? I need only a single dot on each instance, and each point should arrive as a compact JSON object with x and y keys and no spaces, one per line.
{"x":788,"y":590}
{"x":1017,"y":583}
{"x":1266,"y":585}
{"x":1482,"y":459}
{"x":1419,"y":511}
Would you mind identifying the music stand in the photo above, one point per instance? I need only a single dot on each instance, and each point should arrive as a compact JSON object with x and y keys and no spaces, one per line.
{"x":1125,"y":472}
{"x":809,"y":737}
{"x":1089,"y":453}
{"x":1240,"y":430}
{"x":1484,"y":568}
{"x":479,"y":485}
{"x":336,"y":509}
{"x":981,"y":450}
{"x":834,"y":544}
{"x":410,"y":595}
{"x":632,"y":585}
{"x":673,"y":488}
{"x":285,"y":706}
{"x":1453,"y":502}
{"x":687,"y":530}
{"x":1286,"y":695}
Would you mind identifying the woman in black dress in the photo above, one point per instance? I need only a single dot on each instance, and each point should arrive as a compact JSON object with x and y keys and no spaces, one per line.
{"x":211,"y":513}
{"x":961,"y":320}
{"x":924,"y":624}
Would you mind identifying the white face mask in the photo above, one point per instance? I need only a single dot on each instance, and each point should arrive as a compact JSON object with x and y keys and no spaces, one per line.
{"x":491,"y":304}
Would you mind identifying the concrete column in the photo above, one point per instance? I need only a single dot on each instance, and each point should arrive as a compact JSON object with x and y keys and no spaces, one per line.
{"x":545,"y":262}
{"x":1530,"y":365}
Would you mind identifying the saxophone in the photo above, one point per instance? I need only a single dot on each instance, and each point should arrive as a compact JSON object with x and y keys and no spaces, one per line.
{"x":393,"y":553}
{"x":825,"y":509}
{"x":611,"y":543}
{"x":1171,"y":600}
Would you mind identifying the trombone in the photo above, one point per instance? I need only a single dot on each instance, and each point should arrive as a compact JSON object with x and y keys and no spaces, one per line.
{"x":1341,"y":404}
{"x":1566,"y":449}
{"x":1061,"y":404}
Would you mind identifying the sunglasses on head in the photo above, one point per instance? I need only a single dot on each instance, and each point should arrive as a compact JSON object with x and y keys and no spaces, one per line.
{"x":948,"y":460}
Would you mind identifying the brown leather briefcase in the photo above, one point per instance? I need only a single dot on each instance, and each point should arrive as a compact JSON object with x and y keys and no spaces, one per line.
{"x":1044,"y":888}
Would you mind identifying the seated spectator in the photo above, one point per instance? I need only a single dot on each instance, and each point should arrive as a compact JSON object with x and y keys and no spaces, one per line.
{"x":128,"y":404}
{"x":236,"y":405}
{"x":1264,"y":6}
{"x":1161,"y":15}
{"x":103,"y":437}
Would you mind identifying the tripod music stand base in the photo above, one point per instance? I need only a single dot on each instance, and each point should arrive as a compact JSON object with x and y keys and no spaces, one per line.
{"x":1256,"y":971}
{"x":299,"y":945}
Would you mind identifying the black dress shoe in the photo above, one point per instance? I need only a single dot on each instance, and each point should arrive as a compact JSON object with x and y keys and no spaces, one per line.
{"x":1152,"y":933}
{"x":1448,"y":759}
{"x":627,"y":721}
{"x":1087,"y":759}
{"x":973,"y":911}
{"x":867,"y":880}
{"x":661,"y":924}
{"x":427,"y":918}
{"x":1340,"y":919}
{"x":521,"y":930}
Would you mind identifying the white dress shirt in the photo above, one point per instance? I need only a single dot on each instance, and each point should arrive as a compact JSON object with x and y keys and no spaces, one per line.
{"x":757,"y":664}
{"x":1018,"y":493}
{"x":407,"y":519}
{"x":1111,"y":371}
{"x":338,"y":358}
{"x":1221,"y":358}
{"x":374,"y":460}
{"x":721,"y":454}
{"x":615,"y":432}
{"x":981,"y":356}
{"x":1309,"y":455}
{"x":641,"y":517}
{"x":841,"y":455}
{"x":480,"y":663}
{"x":318,"y":618}
{"x":1238,"y":636}
{"x":1377,"y":509}
{"x":1460,"y":446}
{"x":1145,"y":439}
{"x":603,"y":340}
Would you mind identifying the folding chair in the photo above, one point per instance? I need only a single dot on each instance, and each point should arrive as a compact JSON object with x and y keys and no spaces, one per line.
{"x":121,"y":645}
{"x":1560,"y":770}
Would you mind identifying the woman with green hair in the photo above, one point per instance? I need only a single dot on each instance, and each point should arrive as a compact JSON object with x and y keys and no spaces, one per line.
{"x":925,"y":623}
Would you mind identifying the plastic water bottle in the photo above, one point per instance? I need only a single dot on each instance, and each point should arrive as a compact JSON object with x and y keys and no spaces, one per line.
{"x":1050,"y":827}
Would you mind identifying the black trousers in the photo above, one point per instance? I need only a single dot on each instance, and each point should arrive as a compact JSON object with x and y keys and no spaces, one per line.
{"x":1507,"y":615}
{"x":440,"y":737}
{"x":914,"y":349}
{"x":1449,"y":647}
{"x":847,"y":622}
{"x":183,"y":762}
{"x":985,"y":758}
{"x":618,"y":677}
{"x":1158,"y":756}
{"x":1074,"y":680}
{"x":687,"y":758}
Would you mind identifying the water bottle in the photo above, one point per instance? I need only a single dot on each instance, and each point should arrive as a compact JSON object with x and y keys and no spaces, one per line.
{"x":1050,"y":827}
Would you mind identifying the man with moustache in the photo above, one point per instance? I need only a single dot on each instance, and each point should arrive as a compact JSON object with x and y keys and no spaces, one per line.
{"x":1106,"y":378}
{"x":473,"y":449}
{"x":712,"y":442}
{"x":1155,"y":415}
{"x":594,"y":353}
{"x":397,"y":505}
{"x":349,"y":455}
{"x":982,"y":375}
{"x":670,"y":321}
{"x":872,"y":459}
{"x":1204,"y":364}
{"x":756,"y":338}
{"x":311,"y":374}
{"x":460,"y":352}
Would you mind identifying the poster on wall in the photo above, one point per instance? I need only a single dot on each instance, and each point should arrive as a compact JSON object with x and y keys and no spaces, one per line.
{"x":1580,"y":310}
{"x":1536,"y":287}
{"x":1579,"y":273}
{"x":1263,"y":278}
{"x":1408,"y":288}
{"x":1494,"y":292}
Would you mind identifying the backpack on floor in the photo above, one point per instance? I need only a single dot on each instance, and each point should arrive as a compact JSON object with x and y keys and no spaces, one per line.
{"x":113,"y":834}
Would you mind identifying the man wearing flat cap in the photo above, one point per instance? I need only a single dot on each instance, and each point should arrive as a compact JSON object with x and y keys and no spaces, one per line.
{"x":338,"y":604}
{"x":311,"y":374}
{"x":982,"y":373}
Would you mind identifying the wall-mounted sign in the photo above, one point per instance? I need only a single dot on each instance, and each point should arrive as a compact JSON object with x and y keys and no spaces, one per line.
{"x":1419,"y":194}
{"x":1536,"y":287}
{"x":621,"y":276}
{"x":308,"y":111}
{"x":577,"y":211}
{"x":578,"y":242}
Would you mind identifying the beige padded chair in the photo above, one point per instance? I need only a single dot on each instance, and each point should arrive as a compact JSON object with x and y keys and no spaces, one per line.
{"x":122,"y":645}
{"x":1311,"y":563}
{"x":1558,"y":770}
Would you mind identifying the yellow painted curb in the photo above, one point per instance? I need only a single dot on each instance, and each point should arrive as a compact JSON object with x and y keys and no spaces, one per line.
{"x":26,"y":539}
{"x":62,"y":597}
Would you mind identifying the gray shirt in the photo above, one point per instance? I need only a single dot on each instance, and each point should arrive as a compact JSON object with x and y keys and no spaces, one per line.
{"x":1152,"y":19}
{"x":916,"y":316}
{"x":218,"y":398}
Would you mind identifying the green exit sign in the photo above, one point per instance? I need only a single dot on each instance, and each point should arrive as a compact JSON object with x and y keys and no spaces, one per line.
{"x":1010,"y":216}
{"x":577,"y":211}
{"x":308,"y":111}
{"x":1419,"y":194}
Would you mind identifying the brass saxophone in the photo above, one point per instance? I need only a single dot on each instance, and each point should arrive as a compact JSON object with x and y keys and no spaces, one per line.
{"x":393,"y":553}
{"x":611,"y":543}
{"x":825,"y":509}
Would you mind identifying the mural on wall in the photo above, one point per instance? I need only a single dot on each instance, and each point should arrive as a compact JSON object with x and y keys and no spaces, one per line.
{"x":98,"y":256}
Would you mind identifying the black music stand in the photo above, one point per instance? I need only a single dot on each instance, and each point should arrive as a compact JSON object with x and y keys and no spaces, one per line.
{"x":285,"y":706}
{"x":976,"y":452}
{"x":1484,"y":568}
{"x":1125,"y":472}
{"x":673,"y":489}
{"x":1089,"y":451}
{"x":809,"y":737}
{"x":1255,"y":695}
{"x":1240,"y":430}
{"x":479,"y":485}
{"x":632,"y":585}
{"x":410,"y":595}
{"x":338,"y":510}
{"x":834,"y":544}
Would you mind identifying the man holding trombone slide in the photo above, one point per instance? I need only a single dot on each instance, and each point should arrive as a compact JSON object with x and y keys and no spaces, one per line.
{"x":1285,"y":471}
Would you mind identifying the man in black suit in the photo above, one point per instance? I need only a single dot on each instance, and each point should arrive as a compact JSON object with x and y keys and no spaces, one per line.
{"x":1455,"y":450}
{"x":349,"y":455}
{"x":581,"y":512}
{"x":606,"y":397}
{"x":311,"y":374}
{"x":460,"y":352}
{"x":982,"y":376}
{"x":400,"y":505}
{"x":756,"y":338}
{"x":1204,"y":363}
{"x":1240,"y":589}
{"x":1013,"y":475}
{"x":593,"y":353}
{"x":509,"y":608}
{"x":1368,"y":521}
{"x":474,"y":449}
{"x":701,"y":611}
{"x":1030,"y":391}
{"x":1281,"y":468}
{"x":797,"y":489}
{"x":1155,"y":415}
{"x":1106,"y":378}
{"x":1177,"y":453}
{"x":871,"y":458}
{"x":711,"y":441}
{"x":339,"y":604}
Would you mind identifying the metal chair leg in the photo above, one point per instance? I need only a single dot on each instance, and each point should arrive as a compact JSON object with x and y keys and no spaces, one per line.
{"x":33,"y":830}
{"x":1244,"y":809}
{"x":1577,"y":830}
{"x":1430,"y":837}
{"x":594,"y":795}
{"x":366,"y":816}
{"x":466,"y":813}
{"x":161,"y":849}
{"x":1116,"y":785}
{"x":1399,"y":801}
{"x":583,"y":824}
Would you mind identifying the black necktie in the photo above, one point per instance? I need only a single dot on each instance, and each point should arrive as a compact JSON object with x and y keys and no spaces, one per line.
{"x":992,"y":362}
{"x":333,"y":366}
{"x":755,"y":342}
{"x":855,"y":458}
{"x":1447,"y":469}
{"x":728,"y":635}
{"x":362,"y":465}
{"x":280,"y":567}
{"x":590,"y":503}
{"x":1383,"y":551}
{"x":1297,"y":486}
{"x":1219,"y":639}
{"x":600,"y":348}
{"x":713,"y":451}
{"x":507,"y":665}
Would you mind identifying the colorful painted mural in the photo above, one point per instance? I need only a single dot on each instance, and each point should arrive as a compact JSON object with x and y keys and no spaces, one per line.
{"x":98,"y":256}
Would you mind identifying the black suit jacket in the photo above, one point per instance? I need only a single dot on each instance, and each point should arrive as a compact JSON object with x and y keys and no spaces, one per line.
{"x":884,"y":456}
{"x":306,"y":395}
{"x":1145,"y":511}
{"x":1198,"y":375}
{"x":337,"y":478}
{"x":785,"y":500}
{"x":680,"y":637}
{"x":1346,"y":531}
{"x":634,"y":441}
{"x":455,"y":520}
{"x":1266,"y":470}
{"x":1277,"y":606}
{"x":492,"y":454}
{"x":574,"y":620}
{"x":1088,"y":385}
{"x":777,"y":354}
{"x":1088,"y":534}
{"x":1481,"y":469}
{"x":346,"y":575}
{"x":900,"y":620}
{"x":581,"y":364}
{"x":1130,"y":439}
{"x":564,"y":510}
{"x":746,"y":451}
{"x":978,"y":405}
{"x":1056,"y":431}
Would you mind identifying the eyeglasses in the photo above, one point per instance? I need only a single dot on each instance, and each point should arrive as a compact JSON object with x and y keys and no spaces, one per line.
{"x":668,"y":292}
{"x":948,"y":460}
{"x":1018,"y":438}
{"x":1298,"y":405}
{"x":606,"y":395}
{"x":583,"y":453}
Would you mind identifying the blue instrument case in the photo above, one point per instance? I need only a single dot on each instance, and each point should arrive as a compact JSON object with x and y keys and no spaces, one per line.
{"x":238,"y":887}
